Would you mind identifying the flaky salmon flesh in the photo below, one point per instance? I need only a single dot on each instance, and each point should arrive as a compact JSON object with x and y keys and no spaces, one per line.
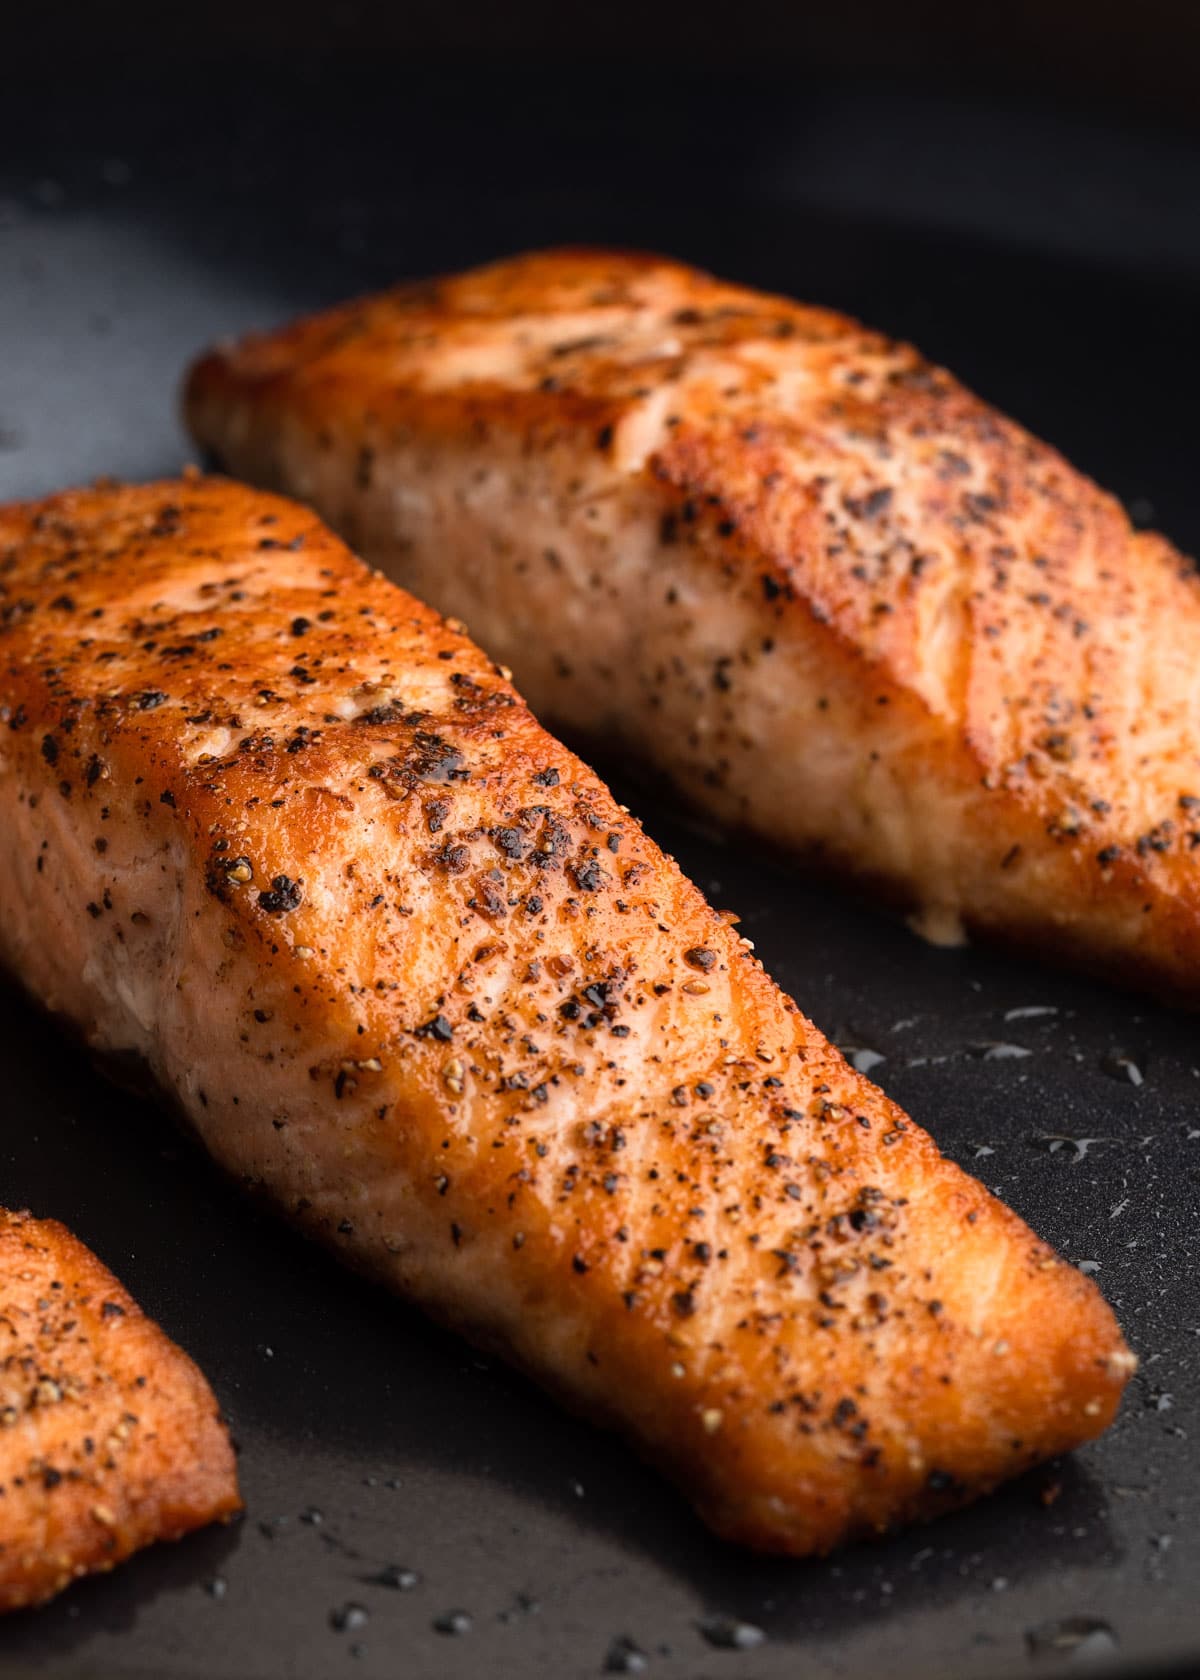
{"x":839,"y":601}
{"x":109,"y":1436}
{"x":404,"y":964}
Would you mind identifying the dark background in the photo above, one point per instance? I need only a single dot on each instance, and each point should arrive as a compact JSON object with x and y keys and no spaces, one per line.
{"x":1074,"y":50}
{"x":1018,"y":189}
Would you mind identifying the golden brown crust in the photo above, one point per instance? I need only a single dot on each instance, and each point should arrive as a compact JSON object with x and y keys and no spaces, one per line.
{"x":110,"y":1438}
{"x":408,"y":966}
{"x":1004,"y":664}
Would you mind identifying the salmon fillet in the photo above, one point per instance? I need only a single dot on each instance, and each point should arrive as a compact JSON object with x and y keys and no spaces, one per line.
{"x":838,"y":600}
{"x":278,"y":829}
{"x":110,"y":1438}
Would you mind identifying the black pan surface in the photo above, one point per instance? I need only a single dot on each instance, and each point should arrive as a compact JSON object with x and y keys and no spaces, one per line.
{"x":1053,"y":262}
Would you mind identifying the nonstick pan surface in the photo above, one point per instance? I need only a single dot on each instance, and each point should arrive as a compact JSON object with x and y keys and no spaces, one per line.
{"x":1052,"y":261}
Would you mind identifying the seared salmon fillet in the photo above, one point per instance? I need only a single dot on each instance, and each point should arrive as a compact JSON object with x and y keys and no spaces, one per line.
{"x":404,"y":963}
{"x":834,"y":597}
{"x":110,"y":1438}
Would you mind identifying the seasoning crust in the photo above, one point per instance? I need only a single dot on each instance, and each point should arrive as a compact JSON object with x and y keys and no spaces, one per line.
{"x":110,"y":1438}
{"x":410,"y":970}
{"x":840,"y":601}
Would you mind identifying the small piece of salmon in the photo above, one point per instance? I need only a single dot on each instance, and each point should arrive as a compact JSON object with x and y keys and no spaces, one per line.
{"x":277,"y":828}
{"x":110,"y":1438}
{"x":837,"y":599}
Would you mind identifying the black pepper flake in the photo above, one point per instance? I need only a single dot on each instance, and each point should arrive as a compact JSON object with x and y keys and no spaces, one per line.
{"x":511,"y":841}
{"x":150,"y":699}
{"x":436,"y":812}
{"x":438,"y":1028}
{"x":283,"y":896}
{"x":546,"y":778}
{"x":699,"y":956}
{"x":941,"y":1481}
{"x":49,"y":749}
{"x":871,"y":505}
{"x":301,"y":626}
{"x":579,"y":1264}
